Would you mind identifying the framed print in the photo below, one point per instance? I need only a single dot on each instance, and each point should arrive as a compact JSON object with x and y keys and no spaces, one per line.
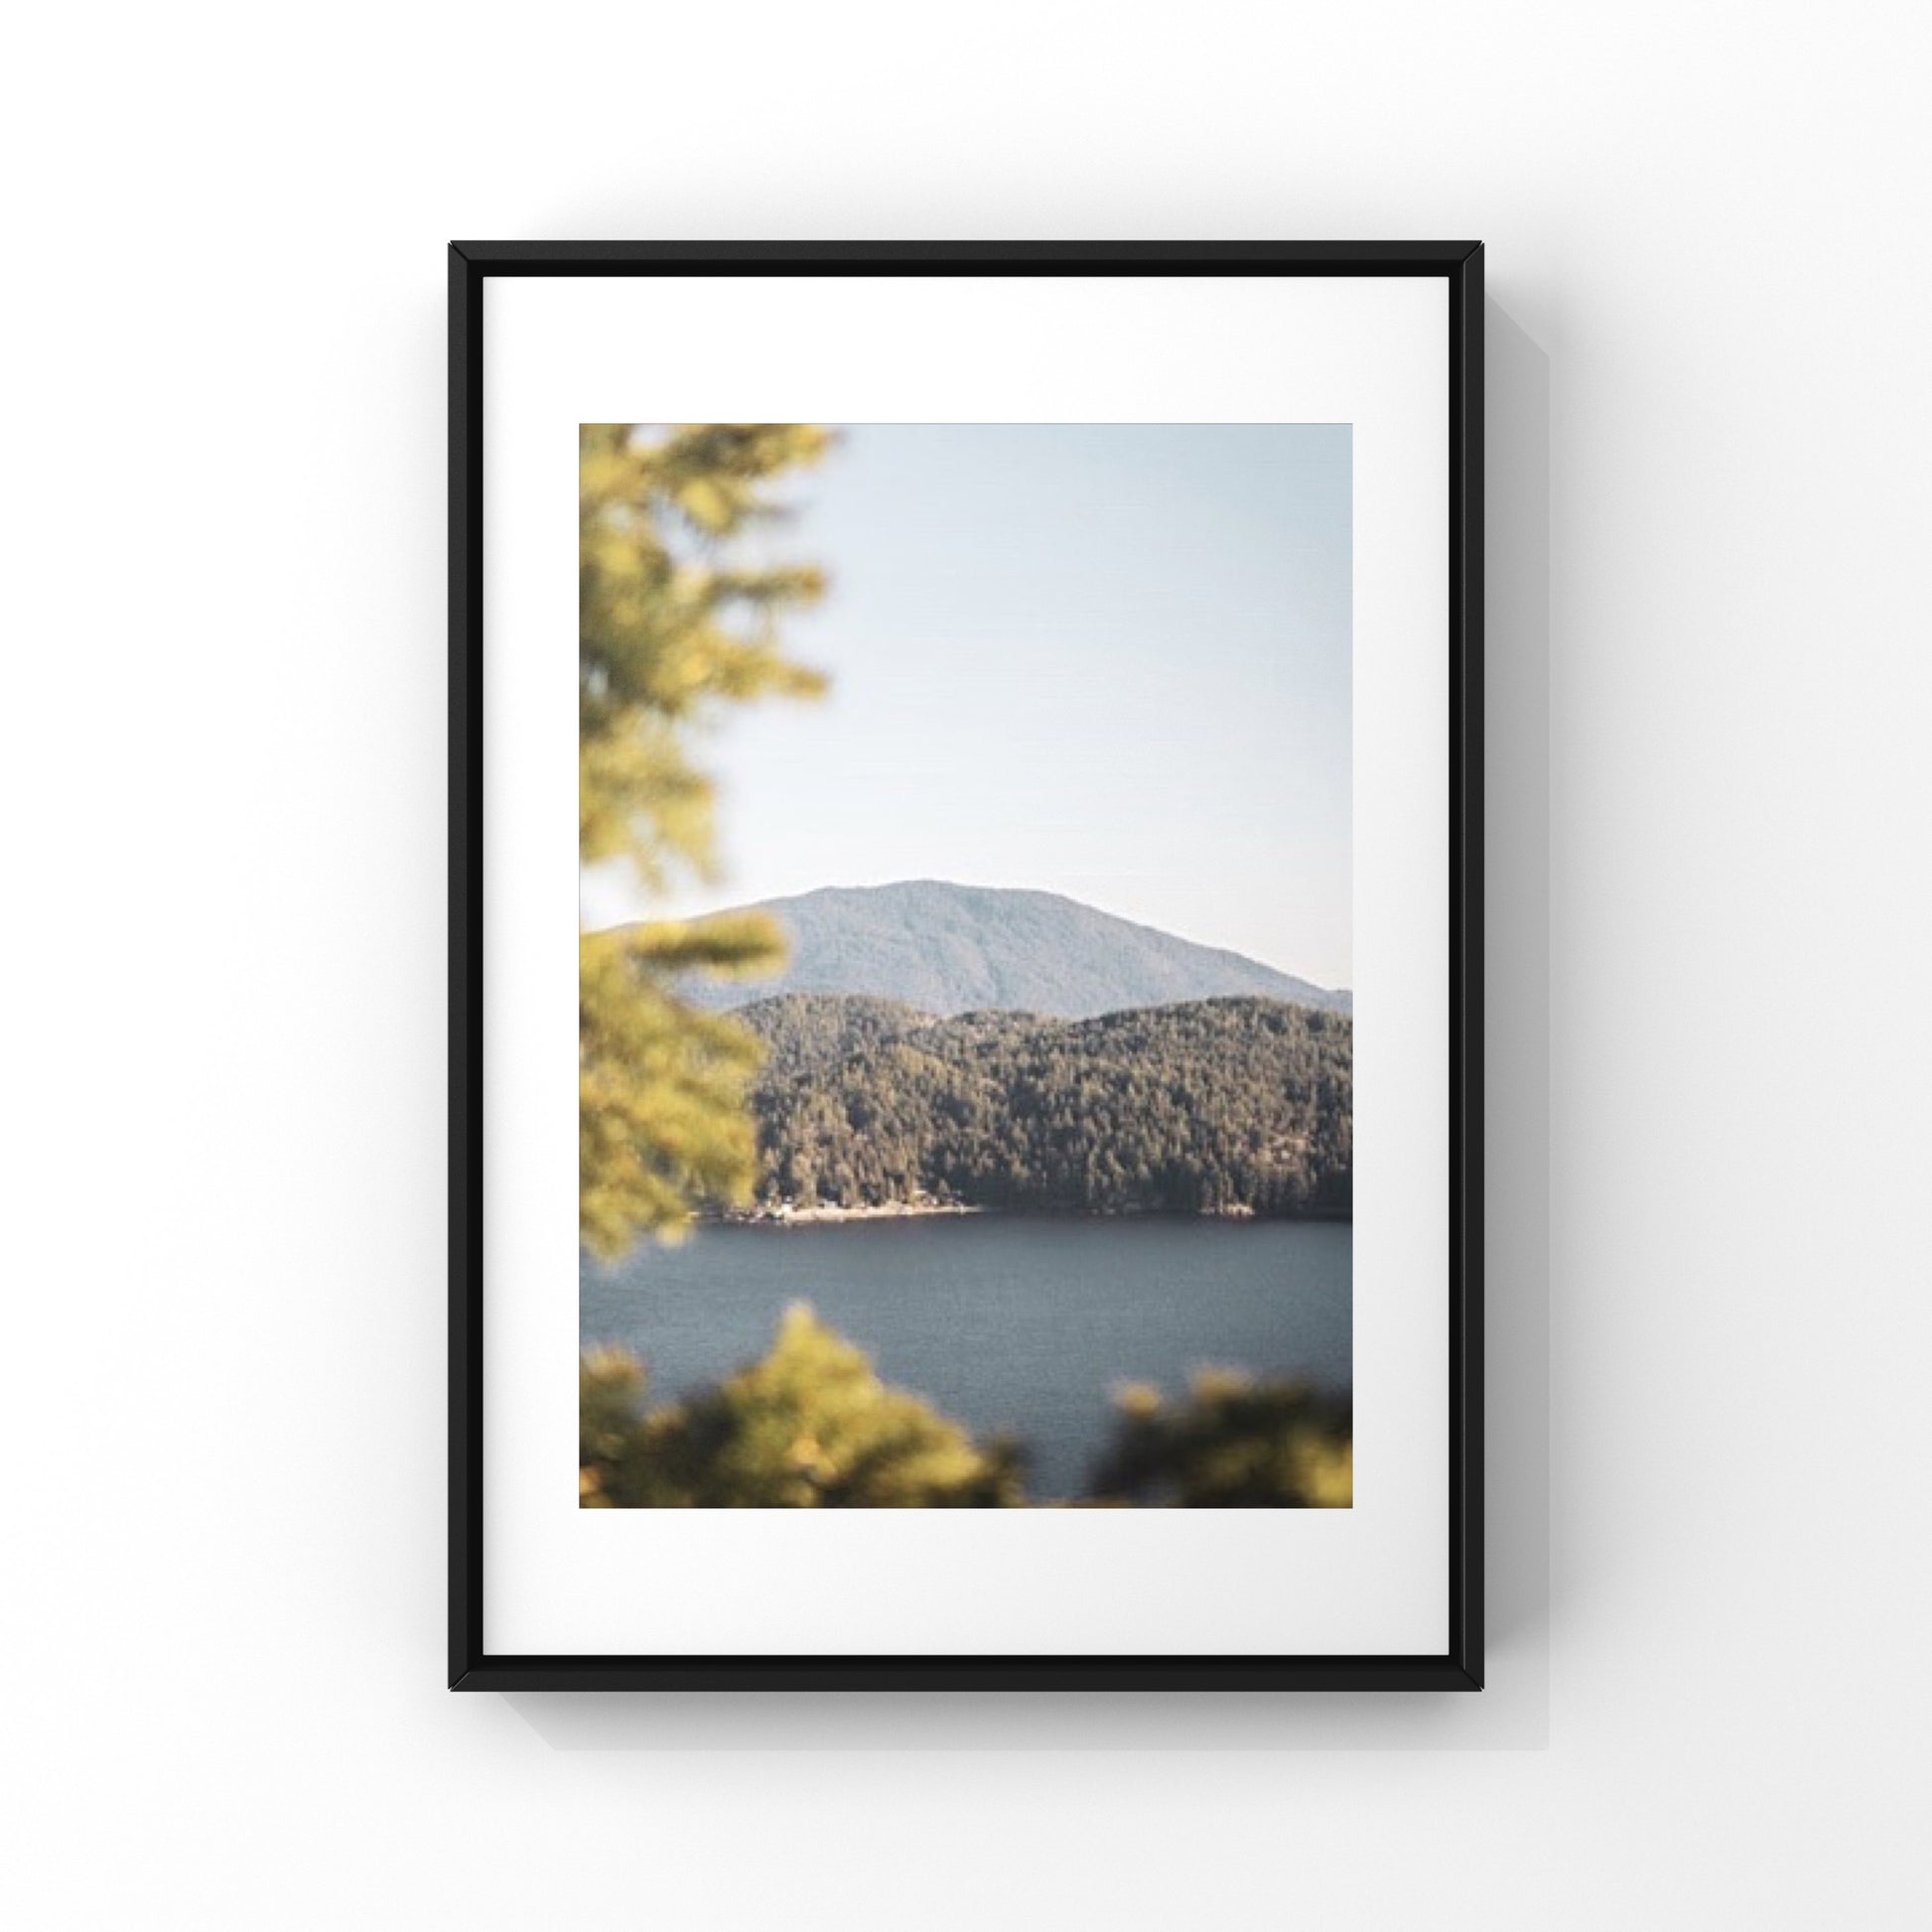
{"x":1027,"y":730}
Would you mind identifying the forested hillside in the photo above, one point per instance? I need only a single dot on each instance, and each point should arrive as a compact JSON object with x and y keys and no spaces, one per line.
{"x":806,"y":1031}
{"x":1216,"y":1106}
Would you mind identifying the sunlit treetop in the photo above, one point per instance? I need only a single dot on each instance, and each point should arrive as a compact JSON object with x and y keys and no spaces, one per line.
{"x":673,"y":627}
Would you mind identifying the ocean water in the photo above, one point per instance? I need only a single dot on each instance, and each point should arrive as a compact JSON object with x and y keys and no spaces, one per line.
{"x":1012,"y":1322}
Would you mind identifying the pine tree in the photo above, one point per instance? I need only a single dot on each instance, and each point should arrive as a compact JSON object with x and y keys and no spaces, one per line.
{"x":670,"y":629}
{"x":1235,"y":1443}
{"x":810,"y":1426}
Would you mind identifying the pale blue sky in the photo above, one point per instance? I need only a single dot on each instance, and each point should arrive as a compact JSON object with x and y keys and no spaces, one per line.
{"x":1110,"y":661}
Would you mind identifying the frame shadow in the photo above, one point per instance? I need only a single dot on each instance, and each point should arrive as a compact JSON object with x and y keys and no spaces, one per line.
{"x":1513,"y":1712}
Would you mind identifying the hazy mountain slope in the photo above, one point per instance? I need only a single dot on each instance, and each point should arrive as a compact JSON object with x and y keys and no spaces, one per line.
{"x":953,"y":949}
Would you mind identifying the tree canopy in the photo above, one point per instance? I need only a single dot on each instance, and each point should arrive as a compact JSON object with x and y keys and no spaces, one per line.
{"x":810,"y":1426}
{"x":673,"y":627}
{"x":1234,"y":1106}
{"x":1237,"y":1442}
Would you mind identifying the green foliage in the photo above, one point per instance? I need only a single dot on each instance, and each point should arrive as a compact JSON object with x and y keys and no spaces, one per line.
{"x":1240,"y":1106}
{"x":810,"y":1426}
{"x":805,"y":1032}
{"x":1237,"y":1444}
{"x":670,"y":629}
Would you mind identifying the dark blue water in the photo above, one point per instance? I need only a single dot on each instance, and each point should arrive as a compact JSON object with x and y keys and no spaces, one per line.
{"x":1002,"y":1322}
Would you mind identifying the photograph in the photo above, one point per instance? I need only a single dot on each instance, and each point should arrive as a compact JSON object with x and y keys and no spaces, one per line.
{"x":965,"y":1026}
{"x":1114,"y":547}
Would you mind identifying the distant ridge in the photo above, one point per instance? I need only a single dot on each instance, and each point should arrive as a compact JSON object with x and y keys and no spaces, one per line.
{"x":952,"y":949}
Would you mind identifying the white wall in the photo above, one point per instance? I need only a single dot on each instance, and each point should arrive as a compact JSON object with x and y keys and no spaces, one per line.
{"x":221,"y":762}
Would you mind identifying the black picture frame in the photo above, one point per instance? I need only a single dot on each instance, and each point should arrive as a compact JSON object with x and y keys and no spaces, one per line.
{"x":1459,"y":1667}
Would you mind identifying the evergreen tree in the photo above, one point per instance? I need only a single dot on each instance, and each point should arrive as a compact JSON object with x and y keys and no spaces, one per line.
{"x":809,"y":1427}
{"x":670,"y":628}
{"x":1231,"y":1107}
{"x":1235,"y":1443}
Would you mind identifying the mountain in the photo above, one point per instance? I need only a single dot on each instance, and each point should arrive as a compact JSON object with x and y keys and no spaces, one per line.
{"x":951,"y":949}
{"x":1233,"y":1107}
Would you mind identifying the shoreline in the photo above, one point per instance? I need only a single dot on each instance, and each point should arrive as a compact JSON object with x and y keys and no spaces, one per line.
{"x":834,"y":1217}
{"x":825,"y":1216}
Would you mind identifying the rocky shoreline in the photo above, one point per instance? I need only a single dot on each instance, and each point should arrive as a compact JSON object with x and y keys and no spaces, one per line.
{"x":785,"y":1215}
